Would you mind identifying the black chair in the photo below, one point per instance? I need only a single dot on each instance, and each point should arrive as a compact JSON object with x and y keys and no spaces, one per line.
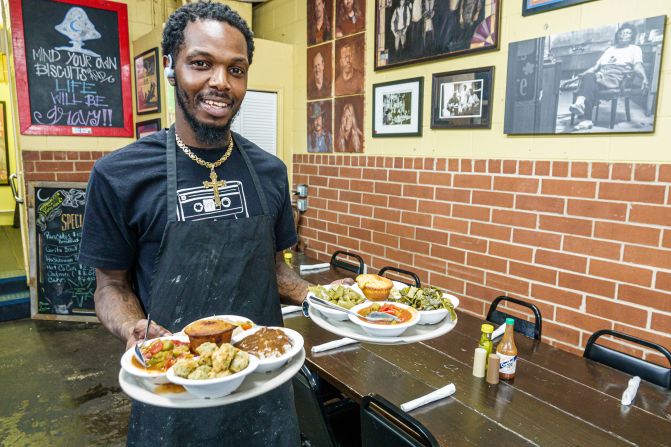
{"x":322,"y":423}
{"x":624,"y":362}
{"x":336,"y":262}
{"x":414,"y":276}
{"x":383,"y":424}
{"x":531,"y":330}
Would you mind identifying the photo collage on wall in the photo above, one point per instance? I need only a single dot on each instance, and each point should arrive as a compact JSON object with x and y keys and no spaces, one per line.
{"x":335,"y":75}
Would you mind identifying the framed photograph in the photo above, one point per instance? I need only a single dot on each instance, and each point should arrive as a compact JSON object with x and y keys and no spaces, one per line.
{"x":411,"y":31}
{"x":349,"y":70}
{"x":144,"y":128}
{"x":350,"y":17}
{"x":147,"y":86}
{"x":397,"y":108}
{"x":462,"y":99}
{"x":320,"y":21}
{"x":320,"y":133}
{"x":530,"y":7}
{"x":348,"y":124}
{"x":320,"y":71}
{"x":4,"y":146}
{"x":596,"y":80}
{"x":72,"y":67}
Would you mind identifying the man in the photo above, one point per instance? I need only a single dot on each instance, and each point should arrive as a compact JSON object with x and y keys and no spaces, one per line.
{"x":350,"y":18}
{"x":319,"y":138}
{"x":452,"y":106}
{"x":320,"y":31}
{"x":460,"y":22}
{"x":350,"y":136}
{"x":620,"y":63}
{"x":350,"y":78}
{"x":164,"y":242}
{"x":400,"y":21}
{"x":318,"y":87}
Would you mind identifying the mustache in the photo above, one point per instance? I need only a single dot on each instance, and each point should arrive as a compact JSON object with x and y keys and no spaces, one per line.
{"x":215,"y":94}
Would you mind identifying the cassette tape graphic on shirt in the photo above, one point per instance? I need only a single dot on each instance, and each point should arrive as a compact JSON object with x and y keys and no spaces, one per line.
{"x":198,"y":203}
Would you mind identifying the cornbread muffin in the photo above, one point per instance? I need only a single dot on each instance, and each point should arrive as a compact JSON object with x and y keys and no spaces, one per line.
{"x":213,"y":331}
{"x":375,"y":287}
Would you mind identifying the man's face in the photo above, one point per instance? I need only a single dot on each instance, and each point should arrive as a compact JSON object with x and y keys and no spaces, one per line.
{"x":347,"y":119}
{"x":346,"y":61}
{"x":349,"y":4}
{"x":319,"y":9}
{"x":318,"y":69}
{"x":626,"y":36}
{"x":317,"y":124}
{"x":210,"y":78}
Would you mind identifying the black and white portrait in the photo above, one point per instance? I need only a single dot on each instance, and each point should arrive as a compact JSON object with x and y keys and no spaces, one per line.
{"x":461,"y":99}
{"x":397,"y":108}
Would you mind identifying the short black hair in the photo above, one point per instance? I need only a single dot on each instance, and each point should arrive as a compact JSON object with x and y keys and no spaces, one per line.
{"x":173,"y":33}
{"x":625,"y":26}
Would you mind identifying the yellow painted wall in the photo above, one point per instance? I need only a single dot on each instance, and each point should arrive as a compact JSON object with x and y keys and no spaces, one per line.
{"x":6,"y":198}
{"x":285,"y":21}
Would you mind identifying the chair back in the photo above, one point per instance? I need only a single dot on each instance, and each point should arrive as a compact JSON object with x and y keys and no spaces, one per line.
{"x":651,"y":372}
{"x":524,"y":327}
{"x":384,"y":424}
{"x":355,"y":268}
{"x":414,"y":276}
{"x":310,"y":409}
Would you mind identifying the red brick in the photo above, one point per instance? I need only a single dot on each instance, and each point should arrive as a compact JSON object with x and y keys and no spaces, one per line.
{"x":533,"y":272}
{"x":327,"y":237}
{"x":526,"y":167}
{"x":338,"y":183}
{"x":515,"y":184}
{"x":435,"y":178}
{"x":84,"y":166}
{"x":664,"y":340}
{"x":507,"y":284}
{"x":400,"y":230}
{"x":328,"y":216}
{"x":579,"y":169}
{"x":422,"y":220}
{"x":393,"y":189}
{"x":471,"y":212}
{"x":347,"y":219}
{"x":448,"y":283}
{"x":316,"y":180}
{"x":480,"y":166}
{"x":337,"y":228}
{"x":645,"y":172}
{"x":398,"y":162}
{"x":453,"y":225}
{"x":360,"y":233}
{"x":600,"y":170}
{"x":589,"y":323}
{"x":666,"y":239}
{"x":30,"y":155}
{"x":54,"y":166}
{"x":309,"y":169}
{"x":561,"y":332}
{"x":621,"y":171}
{"x":542,"y":168}
{"x":414,"y":246}
{"x":71,"y":177}
{"x":663,"y":281}
{"x":561,"y":260}
{"x":433,"y":207}
{"x":494,"y":166}
{"x":401,"y":256}
{"x":361,"y":210}
{"x":510,"y":251}
{"x":431,"y":263}
{"x":560,"y":168}
{"x":459,"y":270}
{"x":375,"y":199}
{"x":631,"y":192}
{"x":592,"y":247}
{"x":566,"y":225}
{"x":547,"y":310}
{"x":362,"y":185}
{"x":468,"y":243}
{"x":350,"y":172}
{"x":568,"y":188}
{"x":448,"y":253}
{"x":472,"y":181}
{"x":486,"y":262}
{"x":661,"y":323}
{"x":348,"y":243}
{"x":487,"y":294}
{"x":556,"y":295}
{"x":453,"y":195}
{"x":627,"y":233}
{"x":537,"y":239}
{"x":616,"y":311}
{"x":441,"y":164}
{"x":422,"y":192}
{"x":403,"y":203}
{"x":375,"y":174}
{"x":429,"y":164}
{"x":328,"y":171}
{"x":466,"y":165}
{"x":491,"y":231}
{"x":373,"y":224}
{"x":509,"y":166}
{"x":472,"y":305}
{"x":540,"y":204}
{"x":328,"y":193}
{"x":665,"y":173}
{"x":586,"y":284}
{"x":514,"y":218}
{"x":453,"y":165}
{"x":567,"y":348}
{"x":620,"y":272}
{"x":28,"y":166}
{"x":349,"y":196}
{"x":648,"y":256}
{"x":403,"y":176}
{"x":58,"y":155}
{"x":497,"y":199}
{"x":46,"y":155}
{"x":436,"y":237}
{"x":372,"y":249}
{"x":655,"y":215}
{"x":645,"y":297}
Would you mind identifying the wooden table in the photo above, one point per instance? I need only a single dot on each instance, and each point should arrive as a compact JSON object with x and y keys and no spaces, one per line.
{"x":557,"y":398}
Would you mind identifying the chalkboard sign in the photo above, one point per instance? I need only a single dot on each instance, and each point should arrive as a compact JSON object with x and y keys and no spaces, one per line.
{"x":61,"y":288}
{"x":72,"y":67}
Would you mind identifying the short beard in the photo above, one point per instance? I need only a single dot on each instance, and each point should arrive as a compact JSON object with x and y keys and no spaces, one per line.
{"x":206,"y":134}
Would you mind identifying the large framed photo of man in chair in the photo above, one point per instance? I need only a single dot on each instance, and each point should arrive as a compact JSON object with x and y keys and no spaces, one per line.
{"x":597,"y":80}
{"x":409,"y":31}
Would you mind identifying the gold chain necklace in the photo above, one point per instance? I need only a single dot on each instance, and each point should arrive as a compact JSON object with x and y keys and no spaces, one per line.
{"x":212,"y":183}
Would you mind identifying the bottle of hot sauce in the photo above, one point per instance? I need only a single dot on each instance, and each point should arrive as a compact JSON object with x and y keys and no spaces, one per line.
{"x":507,"y":351}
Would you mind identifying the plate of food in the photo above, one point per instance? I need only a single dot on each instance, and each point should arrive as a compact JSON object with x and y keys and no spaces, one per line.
{"x":274,"y":346}
{"x":159,"y":354}
{"x":340,"y":295}
{"x":432,"y":303}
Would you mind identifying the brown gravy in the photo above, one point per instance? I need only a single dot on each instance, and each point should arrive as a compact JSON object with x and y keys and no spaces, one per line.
{"x":266,"y":343}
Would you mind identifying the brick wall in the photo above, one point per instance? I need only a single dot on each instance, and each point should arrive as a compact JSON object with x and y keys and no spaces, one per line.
{"x":589,"y":243}
{"x":59,"y":166}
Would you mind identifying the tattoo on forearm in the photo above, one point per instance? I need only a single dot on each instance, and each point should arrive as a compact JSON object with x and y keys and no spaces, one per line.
{"x":292,"y":288}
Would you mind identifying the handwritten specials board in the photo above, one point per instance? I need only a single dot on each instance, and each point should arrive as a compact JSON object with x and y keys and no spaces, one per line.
{"x":73,"y":71}
{"x":61,"y":287}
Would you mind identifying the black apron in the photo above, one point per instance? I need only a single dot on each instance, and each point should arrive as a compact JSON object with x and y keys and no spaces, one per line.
{"x":210,"y":267}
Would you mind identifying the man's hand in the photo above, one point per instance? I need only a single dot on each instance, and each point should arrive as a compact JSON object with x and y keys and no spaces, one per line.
{"x":343,"y":282}
{"x":137,"y":332}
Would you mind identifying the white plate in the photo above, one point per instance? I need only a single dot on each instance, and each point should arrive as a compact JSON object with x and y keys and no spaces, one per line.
{"x":230,"y":318}
{"x":332,"y":313}
{"x":384,"y":330}
{"x":271,"y":364}
{"x":254,"y":385}
{"x":156,"y":377}
{"x":412,"y":335}
{"x":431,"y":316}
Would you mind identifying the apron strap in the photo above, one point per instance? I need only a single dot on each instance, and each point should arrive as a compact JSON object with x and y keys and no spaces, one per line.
{"x":255,"y":177}
{"x":171,"y":149}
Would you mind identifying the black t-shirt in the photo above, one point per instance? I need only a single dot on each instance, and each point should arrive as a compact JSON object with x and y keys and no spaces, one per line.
{"x":126,"y":209}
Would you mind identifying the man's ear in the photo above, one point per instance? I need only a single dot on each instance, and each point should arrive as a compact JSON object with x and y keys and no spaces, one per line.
{"x":169,"y":69}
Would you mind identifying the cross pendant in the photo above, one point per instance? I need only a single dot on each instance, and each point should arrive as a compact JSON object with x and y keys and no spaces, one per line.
{"x":214,"y":184}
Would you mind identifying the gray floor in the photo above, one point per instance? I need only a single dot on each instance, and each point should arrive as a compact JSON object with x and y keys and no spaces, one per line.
{"x":59,"y":385}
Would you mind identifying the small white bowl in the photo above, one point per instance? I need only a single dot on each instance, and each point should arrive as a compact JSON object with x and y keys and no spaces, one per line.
{"x":155,"y":377}
{"x":437,"y":315}
{"x":231,"y":319}
{"x":213,"y":388}
{"x":271,"y":364}
{"x":333,"y":314}
{"x":384,"y":330}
